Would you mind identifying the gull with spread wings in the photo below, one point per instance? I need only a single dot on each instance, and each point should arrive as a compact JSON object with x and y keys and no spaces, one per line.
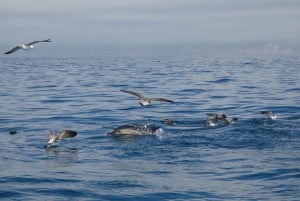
{"x":52,"y":137}
{"x":26,"y":46}
{"x":145,"y":101}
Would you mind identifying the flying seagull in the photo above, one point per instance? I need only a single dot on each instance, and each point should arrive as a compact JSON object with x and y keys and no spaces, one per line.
{"x":26,"y":46}
{"x":144,"y":101}
{"x":52,"y":137}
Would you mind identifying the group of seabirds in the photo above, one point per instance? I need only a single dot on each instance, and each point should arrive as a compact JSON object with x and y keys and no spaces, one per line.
{"x":133,"y":130}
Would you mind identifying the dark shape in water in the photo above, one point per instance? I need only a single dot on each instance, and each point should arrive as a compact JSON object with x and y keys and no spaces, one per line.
{"x":12,"y":132}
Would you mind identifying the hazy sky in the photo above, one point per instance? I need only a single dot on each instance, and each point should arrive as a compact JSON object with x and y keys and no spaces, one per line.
{"x":104,"y":23}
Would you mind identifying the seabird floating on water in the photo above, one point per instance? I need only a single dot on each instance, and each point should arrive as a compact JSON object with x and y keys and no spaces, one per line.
{"x":26,"y":46}
{"x":144,"y":101}
{"x":52,"y":137}
{"x":269,"y":114}
{"x":219,"y":117}
{"x":12,"y":132}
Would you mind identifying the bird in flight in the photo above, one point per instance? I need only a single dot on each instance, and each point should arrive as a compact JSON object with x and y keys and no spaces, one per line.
{"x":145,"y":101}
{"x":52,"y":137}
{"x":26,"y":46}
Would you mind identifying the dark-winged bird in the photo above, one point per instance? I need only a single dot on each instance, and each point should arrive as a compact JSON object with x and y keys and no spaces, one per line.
{"x":52,"y":137}
{"x":144,"y":101}
{"x":26,"y":46}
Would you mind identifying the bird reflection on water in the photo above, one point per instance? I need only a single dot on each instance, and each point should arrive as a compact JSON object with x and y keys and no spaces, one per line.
{"x":61,"y":157}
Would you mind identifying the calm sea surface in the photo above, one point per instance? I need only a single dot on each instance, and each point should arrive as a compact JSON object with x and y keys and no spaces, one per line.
{"x":254,"y":159}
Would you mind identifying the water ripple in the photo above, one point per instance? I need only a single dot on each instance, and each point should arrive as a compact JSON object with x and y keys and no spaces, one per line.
{"x":254,"y":159}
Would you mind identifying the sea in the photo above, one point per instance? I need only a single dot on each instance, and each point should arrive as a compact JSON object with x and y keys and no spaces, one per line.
{"x":255,"y":158}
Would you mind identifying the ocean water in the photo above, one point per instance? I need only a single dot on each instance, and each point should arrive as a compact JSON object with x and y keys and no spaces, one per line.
{"x":254,"y":159}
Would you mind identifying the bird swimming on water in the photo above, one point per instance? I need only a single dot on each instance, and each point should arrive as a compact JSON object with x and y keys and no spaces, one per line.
{"x":269,"y":114}
{"x":219,"y":117}
{"x":52,"y":137}
{"x":26,"y":46}
{"x":12,"y":132}
{"x":145,"y":101}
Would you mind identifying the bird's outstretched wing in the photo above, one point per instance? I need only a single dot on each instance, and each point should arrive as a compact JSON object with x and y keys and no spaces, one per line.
{"x":234,"y":119}
{"x":13,"y":50}
{"x":67,"y":134}
{"x":38,"y":41}
{"x":161,"y":99}
{"x":134,"y":93}
{"x":214,"y":115}
{"x":217,"y":116}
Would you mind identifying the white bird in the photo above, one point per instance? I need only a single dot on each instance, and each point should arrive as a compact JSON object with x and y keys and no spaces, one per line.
{"x":144,"y":101}
{"x":26,"y":46}
{"x":269,"y":115}
{"x":52,"y":137}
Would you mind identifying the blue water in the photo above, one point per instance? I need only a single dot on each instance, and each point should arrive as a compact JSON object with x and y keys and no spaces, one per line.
{"x":254,"y":159}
